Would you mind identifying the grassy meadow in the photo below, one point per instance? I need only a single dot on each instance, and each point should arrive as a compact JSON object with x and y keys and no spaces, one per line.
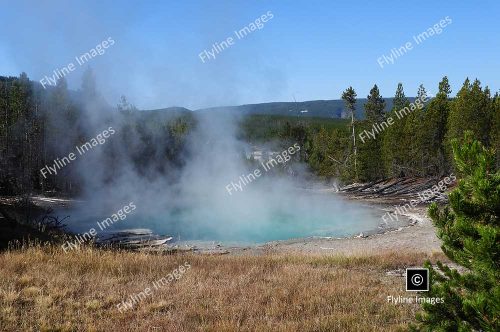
{"x":44,"y":289}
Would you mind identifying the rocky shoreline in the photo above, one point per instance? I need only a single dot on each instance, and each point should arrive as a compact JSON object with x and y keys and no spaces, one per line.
{"x":418,"y":236}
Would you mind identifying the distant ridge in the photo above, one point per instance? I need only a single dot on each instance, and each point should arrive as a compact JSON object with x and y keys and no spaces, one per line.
{"x":314,"y":108}
{"x":174,"y":109}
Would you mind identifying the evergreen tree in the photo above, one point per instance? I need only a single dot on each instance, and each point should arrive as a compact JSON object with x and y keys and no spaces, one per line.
{"x":421,"y":93}
{"x":328,"y":156}
{"x":416,"y":142}
{"x":495,"y":128}
{"x":349,"y":97}
{"x":370,"y":151}
{"x":436,"y":117}
{"x":470,"y":232}
{"x":400,"y":99}
{"x":375,"y":105}
{"x":393,"y":146}
{"x":59,"y":112}
{"x":471,"y":110}
{"x":20,"y":109}
{"x":444,"y":86}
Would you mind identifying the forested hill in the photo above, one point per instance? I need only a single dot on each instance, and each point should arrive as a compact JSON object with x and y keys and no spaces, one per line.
{"x":312,"y":108}
{"x":315,"y":108}
{"x":38,"y":126}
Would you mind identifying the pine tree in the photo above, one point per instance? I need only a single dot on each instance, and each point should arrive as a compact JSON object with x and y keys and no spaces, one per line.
{"x":328,"y":155}
{"x":400,"y":99}
{"x":393,"y":151}
{"x":349,"y":97}
{"x":470,"y":232}
{"x":436,"y":117}
{"x":375,"y":105}
{"x":421,"y":93}
{"x":444,"y":86}
{"x":471,"y":110}
{"x":415,"y":141}
{"x":57,"y":126}
{"x":370,"y":151}
{"x":495,"y":128}
{"x":19,"y":107}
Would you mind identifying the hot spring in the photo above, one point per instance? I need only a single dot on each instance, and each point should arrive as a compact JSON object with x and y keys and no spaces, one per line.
{"x":246,"y":220}
{"x":284,"y":203}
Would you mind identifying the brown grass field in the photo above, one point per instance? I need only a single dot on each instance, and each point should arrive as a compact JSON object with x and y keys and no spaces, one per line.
{"x":45,"y":289}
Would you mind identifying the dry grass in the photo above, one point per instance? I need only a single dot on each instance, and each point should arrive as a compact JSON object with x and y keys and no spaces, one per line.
{"x":42,"y":288}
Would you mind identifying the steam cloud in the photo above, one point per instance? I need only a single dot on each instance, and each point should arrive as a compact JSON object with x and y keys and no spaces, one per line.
{"x":191,"y":202}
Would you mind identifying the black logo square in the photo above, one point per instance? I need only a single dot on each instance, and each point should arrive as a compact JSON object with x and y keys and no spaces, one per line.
{"x":417,"y":280}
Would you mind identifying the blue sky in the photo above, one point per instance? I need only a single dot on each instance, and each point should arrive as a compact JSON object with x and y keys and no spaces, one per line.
{"x":308,"y":50}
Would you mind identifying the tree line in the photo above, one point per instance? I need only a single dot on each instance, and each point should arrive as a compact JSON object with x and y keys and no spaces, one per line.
{"x":417,"y":144}
{"x":39,"y":125}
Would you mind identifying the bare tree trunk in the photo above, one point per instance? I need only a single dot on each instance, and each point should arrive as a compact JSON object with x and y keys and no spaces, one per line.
{"x":354,"y":143}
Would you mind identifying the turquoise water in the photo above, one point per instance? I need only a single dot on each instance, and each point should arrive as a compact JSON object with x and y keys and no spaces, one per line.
{"x":297,"y":216}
